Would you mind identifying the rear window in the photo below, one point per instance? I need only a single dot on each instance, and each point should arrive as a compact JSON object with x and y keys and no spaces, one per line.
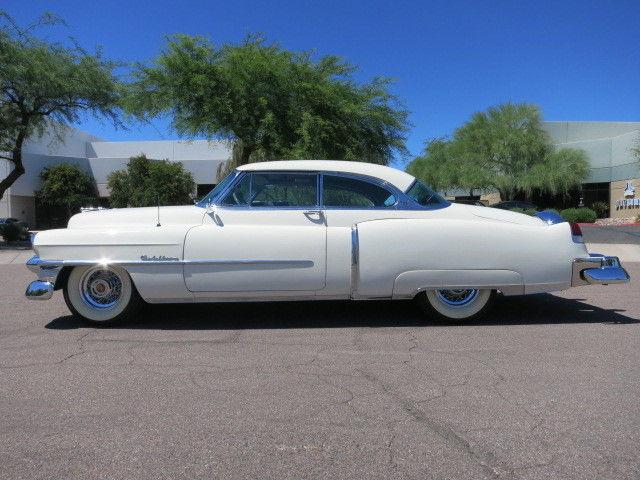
{"x":424,"y":195}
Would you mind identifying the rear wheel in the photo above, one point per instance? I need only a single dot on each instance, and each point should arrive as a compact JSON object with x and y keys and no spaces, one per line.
{"x":101,"y":295}
{"x":456,"y":304}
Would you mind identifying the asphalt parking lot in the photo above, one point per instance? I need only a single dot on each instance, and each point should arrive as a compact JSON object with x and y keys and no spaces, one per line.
{"x":548,"y":387}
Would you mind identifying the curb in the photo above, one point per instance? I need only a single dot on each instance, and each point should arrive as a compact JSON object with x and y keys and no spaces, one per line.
{"x":595,"y":225}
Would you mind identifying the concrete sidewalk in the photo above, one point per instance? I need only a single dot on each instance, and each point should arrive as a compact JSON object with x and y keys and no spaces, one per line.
{"x":8,"y":257}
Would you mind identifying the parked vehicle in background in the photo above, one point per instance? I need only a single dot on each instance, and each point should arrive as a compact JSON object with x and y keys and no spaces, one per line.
{"x":311,"y":230}
{"x":21,"y":228}
{"x":513,"y":204}
{"x":465,"y":201}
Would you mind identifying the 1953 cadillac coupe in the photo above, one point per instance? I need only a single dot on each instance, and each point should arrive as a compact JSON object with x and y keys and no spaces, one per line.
{"x":311,"y":230}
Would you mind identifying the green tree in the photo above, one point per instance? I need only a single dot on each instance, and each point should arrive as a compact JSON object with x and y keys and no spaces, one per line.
{"x":42,"y":81}
{"x":271,"y":102}
{"x":67,"y":186}
{"x":146,"y":183}
{"x":504,"y":148}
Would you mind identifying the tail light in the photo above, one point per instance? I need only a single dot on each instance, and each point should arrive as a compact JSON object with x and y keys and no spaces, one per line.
{"x":576,"y":232}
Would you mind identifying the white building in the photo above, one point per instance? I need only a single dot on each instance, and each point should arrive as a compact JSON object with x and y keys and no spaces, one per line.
{"x":99,"y":158}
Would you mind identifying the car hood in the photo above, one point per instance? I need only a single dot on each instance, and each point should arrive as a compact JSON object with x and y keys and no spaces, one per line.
{"x":499,"y":215}
{"x":139,"y":217}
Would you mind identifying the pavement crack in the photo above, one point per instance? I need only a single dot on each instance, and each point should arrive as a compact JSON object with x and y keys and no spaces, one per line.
{"x":484,"y":458}
{"x":81,"y":348}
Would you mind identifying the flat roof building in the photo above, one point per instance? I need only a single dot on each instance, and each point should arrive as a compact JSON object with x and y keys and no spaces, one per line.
{"x":99,"y":158}
{"x":615,"y":172}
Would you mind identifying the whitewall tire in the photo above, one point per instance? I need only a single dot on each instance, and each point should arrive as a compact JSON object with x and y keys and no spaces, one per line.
{"x":101,"y":295}
{"x":456,"y":304}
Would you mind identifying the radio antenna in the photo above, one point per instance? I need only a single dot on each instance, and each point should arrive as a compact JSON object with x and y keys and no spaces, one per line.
{"x":158,"y":202}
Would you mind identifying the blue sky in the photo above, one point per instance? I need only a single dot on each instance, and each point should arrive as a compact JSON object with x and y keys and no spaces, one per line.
{"x":578,"y":60}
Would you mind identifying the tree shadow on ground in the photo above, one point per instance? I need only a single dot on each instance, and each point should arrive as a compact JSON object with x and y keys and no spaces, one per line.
{"x":528,"y":310}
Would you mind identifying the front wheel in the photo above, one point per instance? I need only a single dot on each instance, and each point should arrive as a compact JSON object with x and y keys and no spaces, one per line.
{"x":456,"y":304}
{"x":101,"y":295}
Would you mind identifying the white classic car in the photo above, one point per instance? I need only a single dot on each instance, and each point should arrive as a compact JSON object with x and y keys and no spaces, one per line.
{"x":311,"y":230}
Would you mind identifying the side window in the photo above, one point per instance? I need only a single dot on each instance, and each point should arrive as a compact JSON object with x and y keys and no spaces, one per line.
{"x":284,"y":190}
{"x":275,"y":190}
{"x":240,"y":193}
{"x":350,"y":192}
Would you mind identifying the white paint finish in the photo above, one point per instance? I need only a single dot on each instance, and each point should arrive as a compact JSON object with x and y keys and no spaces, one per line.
{"x":408,"y":284}
{"x":275,"y":237}
{"x":540,"y":254}
{"x":138,"y":217}
{"x":110,"y":244}
{"x":160,"y":283}
{"x":398,"y":178}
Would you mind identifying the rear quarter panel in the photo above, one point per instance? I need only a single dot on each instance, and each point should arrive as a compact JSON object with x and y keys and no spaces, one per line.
{"x":398,"y":257}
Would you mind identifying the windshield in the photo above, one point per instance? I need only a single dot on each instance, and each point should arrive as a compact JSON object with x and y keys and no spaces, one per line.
{"x":222,"y":186}
{"x":423,"y":194}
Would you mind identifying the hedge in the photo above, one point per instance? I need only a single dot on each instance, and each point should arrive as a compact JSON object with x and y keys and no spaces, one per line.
{"x":579,"y":215}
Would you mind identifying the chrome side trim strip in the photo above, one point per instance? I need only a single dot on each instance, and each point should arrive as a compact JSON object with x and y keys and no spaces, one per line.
{"x":355,"y":260}
{"x":44,"y":264}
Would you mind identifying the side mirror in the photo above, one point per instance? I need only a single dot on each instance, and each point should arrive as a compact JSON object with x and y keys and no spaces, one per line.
{"x":211,"y":208}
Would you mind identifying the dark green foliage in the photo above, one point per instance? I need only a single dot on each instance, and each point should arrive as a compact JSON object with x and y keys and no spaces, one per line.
{"x":41,"y":81}
{"x":579,"y":215}
{"x":601,"y":209}
{"x":13,"y":232}
{"x":504,"y":148}
{"x":526,"y":211}
{"x":273,"y":103}
{"x":67,"y":186}
{"x":146,"y":182}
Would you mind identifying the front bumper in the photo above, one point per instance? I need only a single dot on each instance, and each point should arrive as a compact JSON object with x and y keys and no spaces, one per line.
{"x":598,"y":270}
{"x":39,"y":290}
{"x":42,"y":289}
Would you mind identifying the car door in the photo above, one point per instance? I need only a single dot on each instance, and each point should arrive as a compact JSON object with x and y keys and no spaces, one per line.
{"x":267,"y":234}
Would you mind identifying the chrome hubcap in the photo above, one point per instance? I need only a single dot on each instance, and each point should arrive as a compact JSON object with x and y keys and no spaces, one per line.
{"x":101,"y":288}
{"x":457,"y":298}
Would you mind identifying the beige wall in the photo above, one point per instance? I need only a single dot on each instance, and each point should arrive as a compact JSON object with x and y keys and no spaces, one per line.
{"x":24,"y":208}
{"x":631,"y":205}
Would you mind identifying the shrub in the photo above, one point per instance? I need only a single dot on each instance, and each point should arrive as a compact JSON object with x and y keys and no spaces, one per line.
{"x":13,"y":232}
{"x":526,"y":211}
{"x":146,"y":183}
{"x":579,"y":215}
{"x":601,"y":209}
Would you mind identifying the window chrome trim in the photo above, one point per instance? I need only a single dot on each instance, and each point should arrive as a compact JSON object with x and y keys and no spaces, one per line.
{"x":403,"y":201}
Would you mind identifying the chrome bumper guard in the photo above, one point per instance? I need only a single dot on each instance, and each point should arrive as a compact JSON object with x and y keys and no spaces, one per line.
{"x":39,"y":290}
{"x":42,"y":289}
{"x":598,"y":270}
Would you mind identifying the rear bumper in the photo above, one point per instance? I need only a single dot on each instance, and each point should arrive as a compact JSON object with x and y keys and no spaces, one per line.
{"x":598,"y":270}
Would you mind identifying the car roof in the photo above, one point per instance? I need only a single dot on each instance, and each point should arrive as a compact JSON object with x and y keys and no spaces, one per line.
{"x":398,"y":178}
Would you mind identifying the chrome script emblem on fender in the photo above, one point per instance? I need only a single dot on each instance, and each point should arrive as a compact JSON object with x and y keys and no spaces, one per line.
{"x":161,"y":258}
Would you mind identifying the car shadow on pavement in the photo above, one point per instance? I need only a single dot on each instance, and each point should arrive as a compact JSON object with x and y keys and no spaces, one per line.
{"x":529,"y":310}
